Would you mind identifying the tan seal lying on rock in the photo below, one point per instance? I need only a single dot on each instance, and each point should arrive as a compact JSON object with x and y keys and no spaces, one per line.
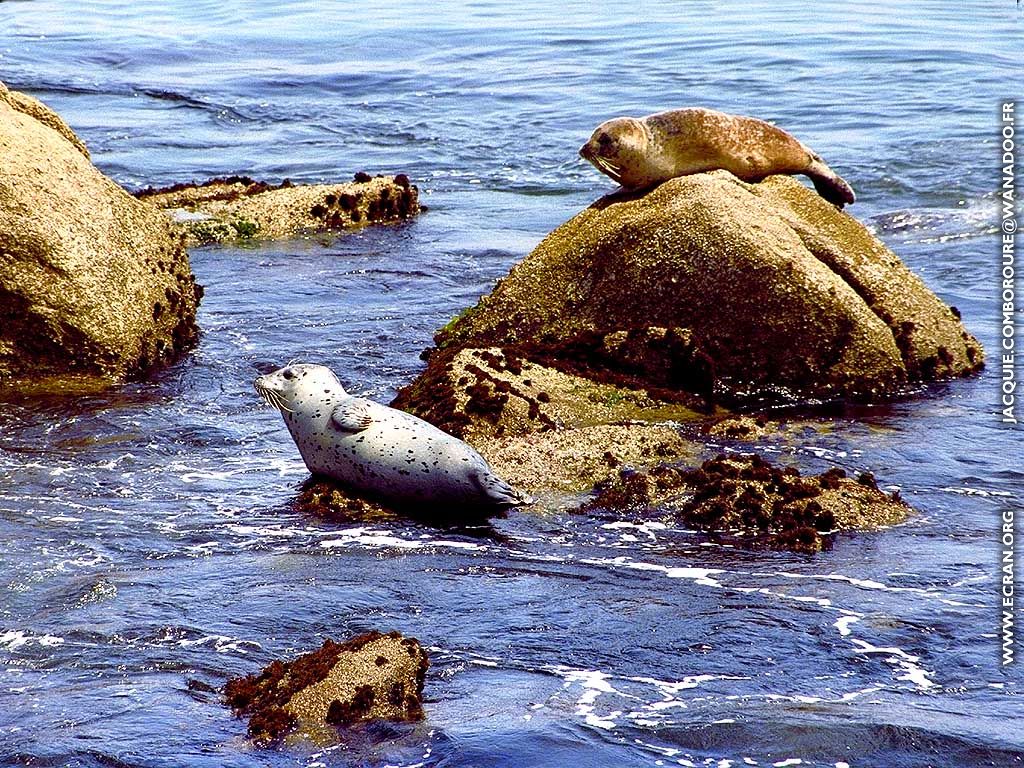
{"x":641,"y":152}
{"x":389,"y":454}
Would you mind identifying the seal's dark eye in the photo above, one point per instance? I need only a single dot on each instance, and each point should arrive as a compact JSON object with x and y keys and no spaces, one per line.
{"x":604,"y":139}
{"x":288,"y":373}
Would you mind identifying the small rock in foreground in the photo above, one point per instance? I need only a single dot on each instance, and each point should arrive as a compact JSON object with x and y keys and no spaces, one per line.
{"x":370,"y":677}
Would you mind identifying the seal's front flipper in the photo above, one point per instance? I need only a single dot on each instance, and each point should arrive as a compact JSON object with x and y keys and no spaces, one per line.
{"x":351,"y":416}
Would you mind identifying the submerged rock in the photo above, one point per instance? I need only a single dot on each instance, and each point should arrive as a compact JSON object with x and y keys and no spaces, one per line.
{"x":238,"y":207}
{"x":324,"y":498}
{"x":95,"y":287}
{"x":746,"y":497}
{"x":756,"y":287}
{"x":369,"y":677}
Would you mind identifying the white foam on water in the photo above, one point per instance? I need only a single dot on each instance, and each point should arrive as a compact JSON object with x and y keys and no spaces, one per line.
{"x":976,"y":492}
{"x":647,"y":529}
{"x":13,"y":639}
{"x":370,"y":537}
{"x":700,"y":576}
{"x":594,"y":683}
{"x":872,"y":584}
{"x":843,"y":623}
{"x":824,"y":602}
{"x":222,"y":644}
{"x":907,"y":663}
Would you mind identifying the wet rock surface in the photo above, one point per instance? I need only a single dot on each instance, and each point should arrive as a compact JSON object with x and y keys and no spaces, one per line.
{"x":238,"y":207}
{"x":480,"y":393}
{"x":571,"y":461}
{"x":95,"y":287}
{"x":745,"y":427}
{"x":755,"y":502}
{"x":373,"y":676}
{"x":755,"y":288}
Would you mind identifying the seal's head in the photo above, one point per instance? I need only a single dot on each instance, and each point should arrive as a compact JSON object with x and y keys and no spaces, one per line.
{"x":288,"y":387}
{"x":618,"y":148}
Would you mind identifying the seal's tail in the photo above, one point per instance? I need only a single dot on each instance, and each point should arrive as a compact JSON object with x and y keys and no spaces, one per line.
{"x":829,"y":184}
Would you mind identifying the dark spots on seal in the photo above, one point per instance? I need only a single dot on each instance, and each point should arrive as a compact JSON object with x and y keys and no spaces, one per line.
{"x":362,"y":177}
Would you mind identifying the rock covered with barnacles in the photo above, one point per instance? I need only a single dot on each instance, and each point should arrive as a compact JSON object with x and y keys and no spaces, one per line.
{"x":238,"y":207}
{"x":756,"y":502}
{"x":372,"y":676}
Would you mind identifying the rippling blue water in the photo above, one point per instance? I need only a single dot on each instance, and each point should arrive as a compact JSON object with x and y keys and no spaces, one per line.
{"x":151,"y":546}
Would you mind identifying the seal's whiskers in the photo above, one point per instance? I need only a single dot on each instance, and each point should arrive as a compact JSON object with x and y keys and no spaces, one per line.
{"x":273,"y":398}
{"x":610,"y":168}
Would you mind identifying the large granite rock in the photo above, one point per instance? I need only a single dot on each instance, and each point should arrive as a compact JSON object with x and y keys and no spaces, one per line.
{"x":758,"y":286}
{"x":373,"y":676}
{"x":94,"y":285}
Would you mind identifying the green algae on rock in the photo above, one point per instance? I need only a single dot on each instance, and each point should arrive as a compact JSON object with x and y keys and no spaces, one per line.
{"x":95,"y":287}
{"x":239,"y":208}
{"x":372,"y":676}
{"x":772,"y":288}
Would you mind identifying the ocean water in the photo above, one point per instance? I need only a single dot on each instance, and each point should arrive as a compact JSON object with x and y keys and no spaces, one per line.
{"x":151,"y":546}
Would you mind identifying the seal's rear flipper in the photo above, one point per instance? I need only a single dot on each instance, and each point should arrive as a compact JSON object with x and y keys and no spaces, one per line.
{"x":830,"y":184}
{"x":498,"y":491}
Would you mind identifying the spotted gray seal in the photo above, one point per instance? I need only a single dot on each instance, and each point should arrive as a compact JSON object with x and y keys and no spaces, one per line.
{"x":641,"y":152}
{"x":383,"y":452}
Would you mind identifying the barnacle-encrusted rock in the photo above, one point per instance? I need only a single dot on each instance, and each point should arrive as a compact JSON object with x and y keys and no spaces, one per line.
{"x":747,"y":497}
{"x":238,"y":207}
{"x":370,"y":677}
